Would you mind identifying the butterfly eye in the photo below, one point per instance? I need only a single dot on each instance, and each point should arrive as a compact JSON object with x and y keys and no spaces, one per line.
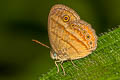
{"x":66,"y":18}
{"x":54,"y":54}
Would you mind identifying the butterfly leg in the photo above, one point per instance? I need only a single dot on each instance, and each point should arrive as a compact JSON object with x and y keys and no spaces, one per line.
{"x":74,"y":65}
{"x":57,"y":66}
{"x":62,"y":67}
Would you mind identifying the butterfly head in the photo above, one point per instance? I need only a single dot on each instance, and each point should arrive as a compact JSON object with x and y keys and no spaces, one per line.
{"x":53,"y":55}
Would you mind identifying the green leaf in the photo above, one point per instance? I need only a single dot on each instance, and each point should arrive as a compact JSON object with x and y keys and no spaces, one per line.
{"x":102,"y":64}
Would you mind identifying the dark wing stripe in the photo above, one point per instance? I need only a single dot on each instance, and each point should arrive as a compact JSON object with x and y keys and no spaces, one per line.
{"x":65,"y":41}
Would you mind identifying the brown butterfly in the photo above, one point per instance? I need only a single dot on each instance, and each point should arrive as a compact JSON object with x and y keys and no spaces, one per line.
{"x":70,"y":37}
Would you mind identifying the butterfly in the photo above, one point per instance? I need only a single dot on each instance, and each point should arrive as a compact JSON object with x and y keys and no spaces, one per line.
{"x":70,"y":37}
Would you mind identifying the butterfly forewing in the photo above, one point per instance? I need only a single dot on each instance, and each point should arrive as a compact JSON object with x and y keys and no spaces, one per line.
{"x":70,"y":37}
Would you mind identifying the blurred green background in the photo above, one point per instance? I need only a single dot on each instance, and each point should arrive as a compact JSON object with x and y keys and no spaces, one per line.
{"x":24,"y":20}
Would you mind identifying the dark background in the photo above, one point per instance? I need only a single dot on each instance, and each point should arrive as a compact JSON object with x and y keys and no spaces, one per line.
{"x":24,"y":20}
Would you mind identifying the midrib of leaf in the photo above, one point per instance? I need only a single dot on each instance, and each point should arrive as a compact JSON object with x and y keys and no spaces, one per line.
{"x":102,"y":64}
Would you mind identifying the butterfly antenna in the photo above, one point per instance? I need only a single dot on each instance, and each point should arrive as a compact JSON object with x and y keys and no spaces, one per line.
{"x":40,"y":43}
